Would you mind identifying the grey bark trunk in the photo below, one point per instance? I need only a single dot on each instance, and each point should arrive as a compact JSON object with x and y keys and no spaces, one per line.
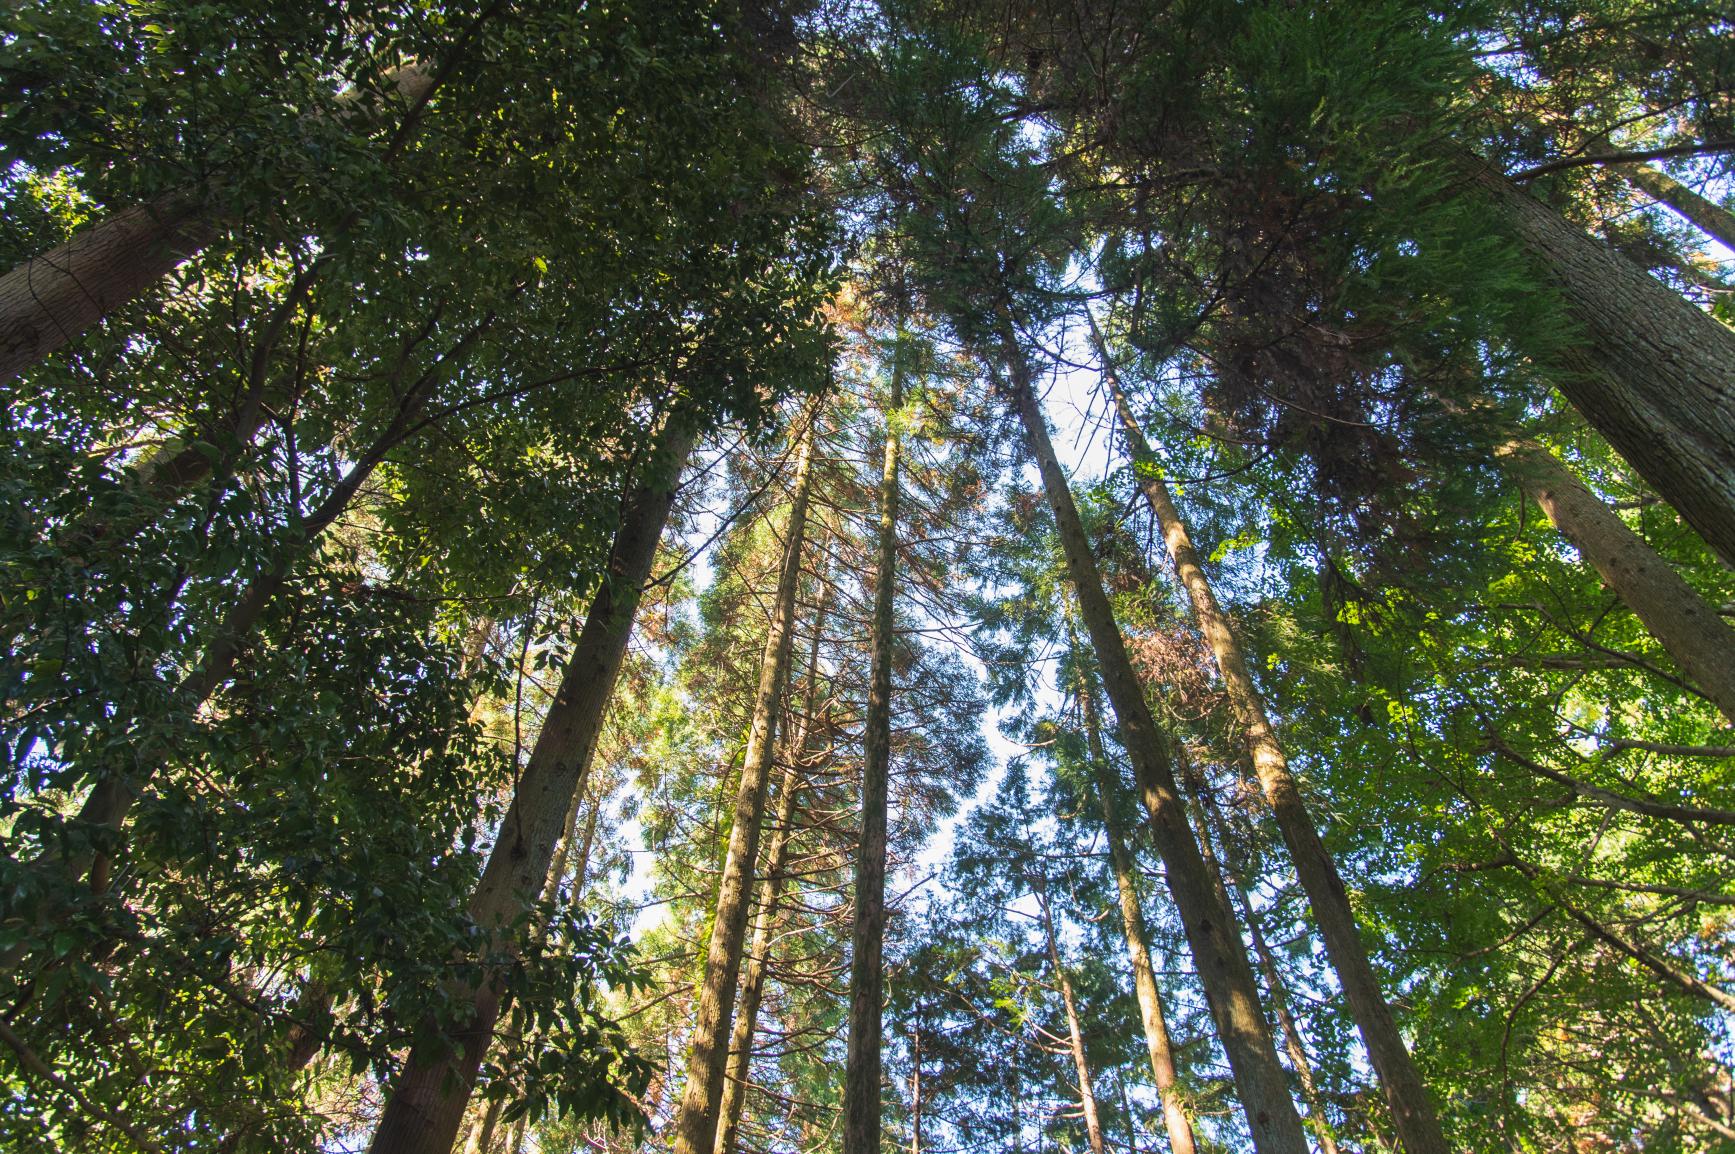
{"x":861,"y":1087}
{"x":1412,"y":1109}
{"x":1700,"y":641}
{"x":766,"y":920}
{"x":1212,"y":932}
{"x":1157,"y":1041}
{"x":1703,"y":213}
{"x":1653,"y":374}
{"x":425,"y":1106}
{"x":696,"y":1120}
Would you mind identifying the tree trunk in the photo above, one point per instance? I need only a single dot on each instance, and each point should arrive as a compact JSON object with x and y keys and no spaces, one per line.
{"x":767,"y":916}
{"x":1699,"y":640}
{"x":1212,"y":933}
{"x":581,"y":869}
{"x":1652,"y":373}
{"x":861,"y":1086}
{"x":1074,"y":1031}
{"x":696,"y":1120}
{"x":916,"y":1089}
{"x":1175,"y":1120}
{"x":1418,"y":1127}
{"x":766,"y":921}
{"x":426,"y":1104}
{"x":50,"y":299}
{"x":1292,"y":1044}
{"x":1708,"y":216}
{"x":482,"y":1141}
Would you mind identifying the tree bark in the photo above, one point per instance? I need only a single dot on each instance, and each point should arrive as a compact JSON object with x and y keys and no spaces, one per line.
{"x":1412,"y":1110}
{"x":50,"y":299}
{"x":1074,"y":1031}
{"x":696,"y":1120}
{"x":1700,"y":641}
{"x":1652,"y":373}
{"x":1703,"y":213}
{"x":1292,"y":1043}
{"x":767,"y":916}
{"x":916,"y":1089}
{"x":426,"y":1104}
{"x":766,"y":921}
{"x":1157,"y":1041}
{"x":861,"y":1086}
{"x":1212,"y":932}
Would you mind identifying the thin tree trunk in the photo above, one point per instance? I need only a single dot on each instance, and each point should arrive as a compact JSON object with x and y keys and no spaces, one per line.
{"x":1162,"y":1053}
{"x":557,"y":867}
{"x":1707,"y":215}
{"x":1652,"y":373}
{"x":766,"y":920}
{"x":861,"y":1086}
{"x":581,"y":870}
{"x":1413,"y":1111}
{"x":696,"y":1120}
{"x":767,"y":916}
{"x":1212,"y":933}
{"x":482,"y":1140}
{"x":916,"y":1089}
{"x":1699,"y":640}
{"x":1074,"y":1031}
{"x":426,"y":1104}
{"x":1212,"y":820}
{"x":1286,"y":1026}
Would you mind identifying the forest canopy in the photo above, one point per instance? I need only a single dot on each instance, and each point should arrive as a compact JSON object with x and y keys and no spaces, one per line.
{"x":805,"y":577}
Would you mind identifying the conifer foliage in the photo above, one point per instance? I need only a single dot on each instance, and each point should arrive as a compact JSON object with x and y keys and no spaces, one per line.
{"x":808,"y":577}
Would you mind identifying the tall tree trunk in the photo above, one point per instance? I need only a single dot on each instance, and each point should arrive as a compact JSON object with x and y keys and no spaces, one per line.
{"x":426,"y":1104}
{"x":767,"y":916}
{"x":1212,"y":932}
{"x":1418,"y":1127}
{"x":1700,"y":641}
{"x":1212,"y":819}
{"x":1074,"y":1030}
{"x":1707,"y":215}
{"x":766,"y":920}
{"x":482,"y":1139}
{"x":50,"y":299}
{"x":581,"y":869}
{"x":1652,"y":373}
{"x":861,"y":1085}
{"x":696,"y":1120}
{"x":916,"y":1088}
{"x":1162,"y":1052}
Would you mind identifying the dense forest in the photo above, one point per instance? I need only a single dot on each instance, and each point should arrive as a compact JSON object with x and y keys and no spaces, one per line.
{"x":807,"y":577}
